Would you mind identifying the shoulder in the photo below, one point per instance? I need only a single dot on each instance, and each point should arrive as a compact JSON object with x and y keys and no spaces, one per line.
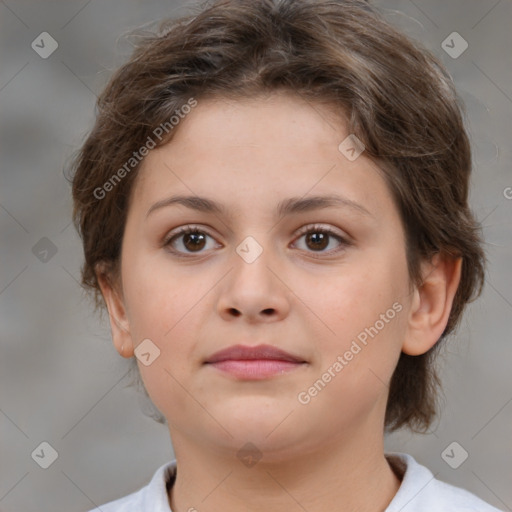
{"x":420,"y":491}
{"x":152,"y":497}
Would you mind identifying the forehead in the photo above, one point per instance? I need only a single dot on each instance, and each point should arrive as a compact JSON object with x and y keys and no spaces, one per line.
{"x":268,"y":147}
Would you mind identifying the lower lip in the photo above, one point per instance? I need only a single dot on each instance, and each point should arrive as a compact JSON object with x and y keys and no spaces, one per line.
{"x":257,"y":369}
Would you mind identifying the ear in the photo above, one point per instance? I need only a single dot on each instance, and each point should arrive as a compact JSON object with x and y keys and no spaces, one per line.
{"x":432,"y":303}
{"x":119,"y":324}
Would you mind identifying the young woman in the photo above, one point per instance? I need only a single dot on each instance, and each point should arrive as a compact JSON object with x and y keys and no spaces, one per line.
{"x":274,"y":209}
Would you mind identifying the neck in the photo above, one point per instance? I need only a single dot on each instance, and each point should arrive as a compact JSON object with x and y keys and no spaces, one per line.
{"x":342,"y":475}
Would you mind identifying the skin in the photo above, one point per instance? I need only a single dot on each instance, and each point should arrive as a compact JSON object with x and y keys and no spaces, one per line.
{"x":248,"y":155}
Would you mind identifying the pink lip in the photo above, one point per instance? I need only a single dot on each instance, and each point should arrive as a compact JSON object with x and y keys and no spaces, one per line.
{"x":254,"y":363}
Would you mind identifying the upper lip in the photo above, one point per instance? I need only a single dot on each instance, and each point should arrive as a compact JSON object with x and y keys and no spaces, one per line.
{"x":246,"y":352}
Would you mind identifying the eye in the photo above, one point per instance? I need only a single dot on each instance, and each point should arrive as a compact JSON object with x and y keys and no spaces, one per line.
{"x":192,"y":239}
{"x":318,"y":238}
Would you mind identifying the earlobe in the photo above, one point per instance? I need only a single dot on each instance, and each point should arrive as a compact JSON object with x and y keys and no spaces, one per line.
{"x":432,"y":303}
{"x":119,"y":324}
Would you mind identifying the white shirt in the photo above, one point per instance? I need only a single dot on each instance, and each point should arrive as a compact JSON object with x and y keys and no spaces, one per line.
{"x":418,"y":492}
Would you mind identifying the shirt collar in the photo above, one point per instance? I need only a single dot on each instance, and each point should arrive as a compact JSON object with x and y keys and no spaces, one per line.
{"x":411,"y":474}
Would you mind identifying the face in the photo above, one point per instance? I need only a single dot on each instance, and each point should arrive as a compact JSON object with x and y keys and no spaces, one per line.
{"x":326,"y":283}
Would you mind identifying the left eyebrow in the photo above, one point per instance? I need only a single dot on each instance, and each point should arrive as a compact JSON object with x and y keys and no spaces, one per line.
{"x":299,"y":205}
{"x":285,"y":207}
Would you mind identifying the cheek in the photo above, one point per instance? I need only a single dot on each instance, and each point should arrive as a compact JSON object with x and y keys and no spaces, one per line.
{"x":355,"y":364}
{"x":165,"y":310}
{"x":158,"y":300}
{"x":363,"y":313}
{"x":358,"y":294}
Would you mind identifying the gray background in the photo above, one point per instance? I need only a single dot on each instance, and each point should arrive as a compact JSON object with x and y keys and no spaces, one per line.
{"x":61,"y":380}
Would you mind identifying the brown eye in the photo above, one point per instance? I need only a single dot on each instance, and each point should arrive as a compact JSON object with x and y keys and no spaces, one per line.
{"x":187,"y":240}
{"x":194,"y":241}
{"x":318,"y":238}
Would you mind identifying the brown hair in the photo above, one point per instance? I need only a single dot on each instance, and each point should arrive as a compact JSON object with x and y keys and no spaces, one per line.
{"x":396,"y":98}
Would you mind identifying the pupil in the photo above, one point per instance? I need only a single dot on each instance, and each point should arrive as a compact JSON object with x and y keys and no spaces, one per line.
{"x":198,"y":239}
{"x":320,"y":237}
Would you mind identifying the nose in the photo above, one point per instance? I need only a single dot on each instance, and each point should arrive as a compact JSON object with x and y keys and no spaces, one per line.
{"x":254,"y":291}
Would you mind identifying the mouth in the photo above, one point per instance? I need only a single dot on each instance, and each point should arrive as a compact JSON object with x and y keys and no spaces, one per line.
{"x":254,"y":363}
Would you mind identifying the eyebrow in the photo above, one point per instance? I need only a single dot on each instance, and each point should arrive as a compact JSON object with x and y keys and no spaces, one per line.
{"x":285,"y":207}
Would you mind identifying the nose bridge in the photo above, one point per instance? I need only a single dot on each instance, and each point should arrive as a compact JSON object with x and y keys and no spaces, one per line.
{"x":252,"y":259}
{"x":252,"y":288}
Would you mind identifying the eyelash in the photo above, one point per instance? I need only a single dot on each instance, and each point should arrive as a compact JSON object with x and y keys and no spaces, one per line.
{"x":186,"y":230}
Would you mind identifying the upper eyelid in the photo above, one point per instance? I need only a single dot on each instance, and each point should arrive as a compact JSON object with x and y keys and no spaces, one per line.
{"x":319,"y":227}
{"x":308,"y":227}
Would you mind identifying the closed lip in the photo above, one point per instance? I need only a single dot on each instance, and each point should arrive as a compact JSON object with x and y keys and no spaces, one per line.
{"x":248,"y":353}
